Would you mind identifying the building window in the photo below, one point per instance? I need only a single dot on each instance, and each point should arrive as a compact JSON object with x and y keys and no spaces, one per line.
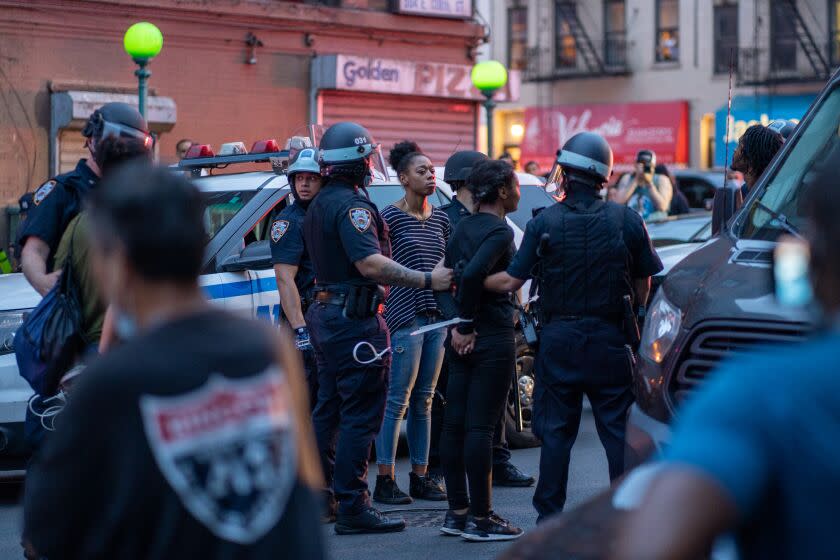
{"x":835,"y":32}
{"x":667,"y":31}
{"x":517,"y":37}
{"x":615,"y":33}
{"x":565,"y":47}
{"x":726,"y":35}
{"x":782,"y":36}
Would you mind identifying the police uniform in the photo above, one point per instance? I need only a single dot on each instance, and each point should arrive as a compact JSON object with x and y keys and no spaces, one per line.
{"x":455,"y":211}
{"x":342,"y":227}
{"x":595,"y":251}
{"x":55,"y":204}
{"x":288,"y":247}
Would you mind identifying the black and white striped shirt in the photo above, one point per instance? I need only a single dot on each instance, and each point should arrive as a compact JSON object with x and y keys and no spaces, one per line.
{"x":418,"y":245}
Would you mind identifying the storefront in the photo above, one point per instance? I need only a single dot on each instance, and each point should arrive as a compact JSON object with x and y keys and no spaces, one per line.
{"x":628,"y":127}
{"x":748,"y":110}
{"x":433,"y":104}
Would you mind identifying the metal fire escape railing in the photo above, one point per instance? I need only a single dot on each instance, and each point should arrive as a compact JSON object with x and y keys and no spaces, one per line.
{"x":815,"y":55}
{"x":758,"y":66}
{"x":599,"y":58}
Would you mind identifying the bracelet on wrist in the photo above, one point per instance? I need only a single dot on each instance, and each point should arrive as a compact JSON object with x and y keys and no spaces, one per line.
{"x":427,"y":281}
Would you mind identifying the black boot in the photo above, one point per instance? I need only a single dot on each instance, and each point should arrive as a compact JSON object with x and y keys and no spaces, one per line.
{"x":507,"y":474}
{"x":387,"y":492}
{"x":425,"y":488}
{"x":369,"y":520}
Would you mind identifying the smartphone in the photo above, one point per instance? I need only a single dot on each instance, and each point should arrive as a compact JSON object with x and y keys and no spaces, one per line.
{"x":791,"y":261}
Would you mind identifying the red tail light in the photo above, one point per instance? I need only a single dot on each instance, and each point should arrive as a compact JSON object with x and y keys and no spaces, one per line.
{"x":199,"y":151}
{"x":265,"y":146}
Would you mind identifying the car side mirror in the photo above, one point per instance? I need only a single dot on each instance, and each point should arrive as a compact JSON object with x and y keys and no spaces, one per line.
{"x":728,"y":200}
{"x":256,"y":256}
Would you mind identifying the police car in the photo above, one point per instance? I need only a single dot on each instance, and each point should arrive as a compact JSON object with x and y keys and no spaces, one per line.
{"x":237,"y":274}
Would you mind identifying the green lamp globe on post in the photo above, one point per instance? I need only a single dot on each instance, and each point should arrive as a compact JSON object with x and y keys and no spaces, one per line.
{"x":142,"y":41}
{"x":488,"y":77}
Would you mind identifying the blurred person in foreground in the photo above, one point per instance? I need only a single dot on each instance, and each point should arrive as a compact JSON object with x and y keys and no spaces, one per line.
{"x":769,"y":471}
{"x":173,"y":445}
{"x":756,"y":149}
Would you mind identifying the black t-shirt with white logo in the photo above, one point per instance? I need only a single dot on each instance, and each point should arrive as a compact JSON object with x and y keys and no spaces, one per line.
{"x":179,"y":444}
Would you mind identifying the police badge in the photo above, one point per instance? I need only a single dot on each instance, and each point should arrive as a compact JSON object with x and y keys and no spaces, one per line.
{"x":360,"y":219}
{"x":43,"y":191}
{"x":227,"y":449}
{"x":279,"y":229}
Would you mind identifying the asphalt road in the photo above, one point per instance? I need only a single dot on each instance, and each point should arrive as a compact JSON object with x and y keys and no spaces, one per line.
{"x":421,"y":539}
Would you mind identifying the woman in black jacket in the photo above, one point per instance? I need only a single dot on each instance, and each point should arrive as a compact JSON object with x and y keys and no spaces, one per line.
{"x":480,"y":369}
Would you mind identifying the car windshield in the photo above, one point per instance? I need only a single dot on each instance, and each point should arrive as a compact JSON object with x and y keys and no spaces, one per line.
{"x":221,"y":207}
{"x":778,"y":209}
{"x":383,"y":195}
{"x":533,"y":196}
{"x":671,"y":232}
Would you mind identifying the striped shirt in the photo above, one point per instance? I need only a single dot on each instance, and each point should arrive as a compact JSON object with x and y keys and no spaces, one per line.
{"x":418,"y":245}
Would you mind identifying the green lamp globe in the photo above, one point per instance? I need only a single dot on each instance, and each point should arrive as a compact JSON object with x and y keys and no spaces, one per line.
{"x":143,"y":40}
{"x":489,"y":75}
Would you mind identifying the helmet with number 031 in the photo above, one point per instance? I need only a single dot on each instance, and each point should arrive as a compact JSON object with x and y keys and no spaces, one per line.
{"x":350,"y":147}
{"x":587,"y":156}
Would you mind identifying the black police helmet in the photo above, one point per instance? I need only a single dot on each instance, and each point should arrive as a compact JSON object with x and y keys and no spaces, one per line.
{"x":346,"y":142}
{"x":117,"y":113}
{"x":459,"y":165}
{"x":586,"y":155}
{"x":783,"y":127}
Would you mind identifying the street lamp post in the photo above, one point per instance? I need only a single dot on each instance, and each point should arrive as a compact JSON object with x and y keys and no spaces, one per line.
{"x":488,"y":77}
{"x":142,"y":41}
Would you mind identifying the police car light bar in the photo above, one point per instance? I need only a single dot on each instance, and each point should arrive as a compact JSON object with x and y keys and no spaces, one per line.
{"x":233,"y":149}
{"x":199,"y":151}
{"x":202,"y":157}
{"x":265,"y":146}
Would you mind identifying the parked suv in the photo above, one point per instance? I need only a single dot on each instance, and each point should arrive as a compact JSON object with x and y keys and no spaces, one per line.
{"x":719,"y":300}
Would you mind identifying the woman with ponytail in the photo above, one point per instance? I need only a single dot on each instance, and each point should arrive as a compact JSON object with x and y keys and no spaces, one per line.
{"x":484,"y":357}
{"x":419,"y":233}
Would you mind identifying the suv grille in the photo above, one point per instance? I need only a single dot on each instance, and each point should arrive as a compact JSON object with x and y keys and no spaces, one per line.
{"x":712,"y":341}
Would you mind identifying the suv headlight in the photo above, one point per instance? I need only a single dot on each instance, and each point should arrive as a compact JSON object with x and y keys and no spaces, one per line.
{"x":661,"y":328}
{"x":10,"y":322}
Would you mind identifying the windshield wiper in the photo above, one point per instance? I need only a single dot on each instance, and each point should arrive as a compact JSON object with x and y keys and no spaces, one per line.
{"x":781,"y":219}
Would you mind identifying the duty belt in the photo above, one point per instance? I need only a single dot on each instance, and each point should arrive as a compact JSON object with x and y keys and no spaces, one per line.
{"x":331,"y":298}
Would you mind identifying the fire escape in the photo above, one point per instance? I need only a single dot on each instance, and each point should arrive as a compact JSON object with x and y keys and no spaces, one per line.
{"x":780,"y":62}
{"x":572,"y":53}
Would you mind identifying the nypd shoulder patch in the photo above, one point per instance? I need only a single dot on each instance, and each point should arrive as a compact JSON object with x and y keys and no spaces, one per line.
{"x":43,"y":191}
{"x":279,"y":229}
{"x":361,"y":219}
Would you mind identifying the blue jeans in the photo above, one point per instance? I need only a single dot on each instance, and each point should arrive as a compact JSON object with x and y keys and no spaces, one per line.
{"x":415,"y":367}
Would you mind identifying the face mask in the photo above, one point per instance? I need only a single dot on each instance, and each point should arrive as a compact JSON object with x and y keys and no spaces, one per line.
{"x":125,"y":325}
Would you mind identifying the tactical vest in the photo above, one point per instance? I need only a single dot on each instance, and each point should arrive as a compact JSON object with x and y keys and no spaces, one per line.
{"x":587,"y":264}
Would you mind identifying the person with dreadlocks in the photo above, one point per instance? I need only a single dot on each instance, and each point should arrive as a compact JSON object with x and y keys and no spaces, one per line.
{"x":756,"y":149}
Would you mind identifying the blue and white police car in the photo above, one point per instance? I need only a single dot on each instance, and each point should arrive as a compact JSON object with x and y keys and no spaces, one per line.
{"x":237,"y":272}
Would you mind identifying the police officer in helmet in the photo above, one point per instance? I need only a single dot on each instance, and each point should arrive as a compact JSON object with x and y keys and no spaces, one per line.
{"x":587,"y":255}
{"x":292,"y":265}
{"x":349,"y":247}
{"x":60,"y":199}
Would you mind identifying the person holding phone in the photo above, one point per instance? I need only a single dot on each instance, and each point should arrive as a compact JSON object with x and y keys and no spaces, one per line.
{"x":644,"y":191}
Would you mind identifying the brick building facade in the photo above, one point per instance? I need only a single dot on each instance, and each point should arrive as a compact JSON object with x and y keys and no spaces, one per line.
{"x":58,"y":58}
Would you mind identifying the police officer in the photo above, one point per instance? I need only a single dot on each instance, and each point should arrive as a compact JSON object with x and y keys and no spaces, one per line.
{"x":595,"y":253}
{"x":59,"y":200}
{"x":292,"y":265}
{"x":348,"y":244}
{"x":505,"y":473}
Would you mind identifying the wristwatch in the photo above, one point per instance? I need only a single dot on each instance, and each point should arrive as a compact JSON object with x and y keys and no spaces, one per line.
{"x":427,"y":283}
